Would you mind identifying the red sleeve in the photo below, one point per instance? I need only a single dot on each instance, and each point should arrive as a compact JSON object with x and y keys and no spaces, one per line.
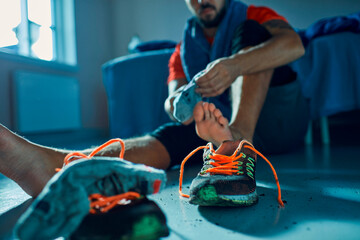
{"x":262,"y":14}
{"x":176,"y":70}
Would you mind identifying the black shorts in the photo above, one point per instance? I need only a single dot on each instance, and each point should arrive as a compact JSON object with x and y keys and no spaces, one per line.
{"x":179,"y":140}
{"x":283,"y":120}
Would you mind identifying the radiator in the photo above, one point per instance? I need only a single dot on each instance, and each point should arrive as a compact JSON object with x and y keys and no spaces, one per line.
{"x":45,"y":103}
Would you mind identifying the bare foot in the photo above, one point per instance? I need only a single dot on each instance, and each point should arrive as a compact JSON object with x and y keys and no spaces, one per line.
{"x":30,"y":165}
{"x":211,"y":125}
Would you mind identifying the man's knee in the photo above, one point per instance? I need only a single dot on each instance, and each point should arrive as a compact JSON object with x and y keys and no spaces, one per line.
{"x":247,"y":34}
{"x":251,"y":33}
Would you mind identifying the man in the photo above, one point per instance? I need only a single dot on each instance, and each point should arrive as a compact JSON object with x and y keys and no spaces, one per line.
{"x":236,"y":59}
{"x":241,"y":48}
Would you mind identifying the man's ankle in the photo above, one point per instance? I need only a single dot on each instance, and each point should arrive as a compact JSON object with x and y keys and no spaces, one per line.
{"x":238,"y":133}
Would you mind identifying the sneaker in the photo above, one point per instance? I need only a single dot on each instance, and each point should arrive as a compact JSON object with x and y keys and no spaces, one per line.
{"x":140,"y":219}
{"x":89,"y":185}
{"x":227,"y":177}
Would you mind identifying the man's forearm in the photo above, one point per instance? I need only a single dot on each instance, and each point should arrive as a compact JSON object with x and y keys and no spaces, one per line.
{"x":277,"y":51}
{"x":285,"y":46}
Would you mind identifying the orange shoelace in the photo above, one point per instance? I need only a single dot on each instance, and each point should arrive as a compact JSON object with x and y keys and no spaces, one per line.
{"x":104,"y":204}
{"x":100,"y":202}
{"x":225,"y":165}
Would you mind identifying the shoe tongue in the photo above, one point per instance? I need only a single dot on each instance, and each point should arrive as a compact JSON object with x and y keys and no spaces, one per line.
{"x":228,"y":148}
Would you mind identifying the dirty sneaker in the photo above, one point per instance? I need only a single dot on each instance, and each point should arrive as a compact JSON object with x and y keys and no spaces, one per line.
{"x":140,"y":218}
{"x":227,"y":177}
{"x":91,"y":185}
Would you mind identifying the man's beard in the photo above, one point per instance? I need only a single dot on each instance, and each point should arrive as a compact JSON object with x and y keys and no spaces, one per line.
{"x":214,"y":22}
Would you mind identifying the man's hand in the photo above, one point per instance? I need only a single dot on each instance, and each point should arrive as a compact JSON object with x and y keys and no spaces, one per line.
{"x":219,"y":75}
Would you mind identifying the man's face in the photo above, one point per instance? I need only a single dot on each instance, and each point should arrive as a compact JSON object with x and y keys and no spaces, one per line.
{"x":208,"y":12}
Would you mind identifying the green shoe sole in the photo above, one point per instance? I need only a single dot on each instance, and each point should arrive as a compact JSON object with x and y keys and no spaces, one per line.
{"x":142,"y":220}
{"x":207,"y":196}
{"x":149,"y":227}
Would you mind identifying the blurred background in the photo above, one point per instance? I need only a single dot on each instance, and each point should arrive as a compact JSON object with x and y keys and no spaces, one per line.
{"x":72,"y":39}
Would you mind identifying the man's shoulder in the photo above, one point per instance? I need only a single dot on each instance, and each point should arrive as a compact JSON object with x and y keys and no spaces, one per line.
{"x":262,"y":14}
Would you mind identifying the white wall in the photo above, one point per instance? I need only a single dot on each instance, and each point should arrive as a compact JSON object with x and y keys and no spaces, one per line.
{"x":150,"y":19}
{"x":94,"y":31}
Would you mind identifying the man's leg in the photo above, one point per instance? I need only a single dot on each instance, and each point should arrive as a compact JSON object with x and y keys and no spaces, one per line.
{"x":248,"y":95}
{"x":268,"y":103}
{"x":28,"y":164}
{"x":31,"y":165}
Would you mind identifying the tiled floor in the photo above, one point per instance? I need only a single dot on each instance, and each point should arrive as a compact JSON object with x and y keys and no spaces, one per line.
{"x":320,"y":185}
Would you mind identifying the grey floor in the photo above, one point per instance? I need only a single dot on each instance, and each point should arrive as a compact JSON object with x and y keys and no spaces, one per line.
{"x":320,"y":187}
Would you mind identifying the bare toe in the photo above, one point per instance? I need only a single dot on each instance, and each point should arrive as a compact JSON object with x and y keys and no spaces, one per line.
{"x":198,"y":112}
{"x":212,"y":107}
{"x":206,"y":111}
{"x":217,"y":113}
{"x":223,"y":121}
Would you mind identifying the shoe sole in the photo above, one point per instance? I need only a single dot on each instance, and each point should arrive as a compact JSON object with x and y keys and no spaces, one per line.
{"x":140,"y":220}
{"x":148,"y":228}
{"x":207,"y":196}
{"x":46,"y":218}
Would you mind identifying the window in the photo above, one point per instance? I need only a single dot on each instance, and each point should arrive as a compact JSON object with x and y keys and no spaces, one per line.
{"x":36,"y":28}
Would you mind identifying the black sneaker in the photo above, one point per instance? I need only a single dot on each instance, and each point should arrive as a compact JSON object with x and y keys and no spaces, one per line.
{"x":140,"y":219}
{"x":227,"y":177}
{"x":108,"y":192}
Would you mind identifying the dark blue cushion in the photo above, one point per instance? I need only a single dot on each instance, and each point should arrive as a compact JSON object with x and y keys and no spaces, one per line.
{"x":154,"y":45}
